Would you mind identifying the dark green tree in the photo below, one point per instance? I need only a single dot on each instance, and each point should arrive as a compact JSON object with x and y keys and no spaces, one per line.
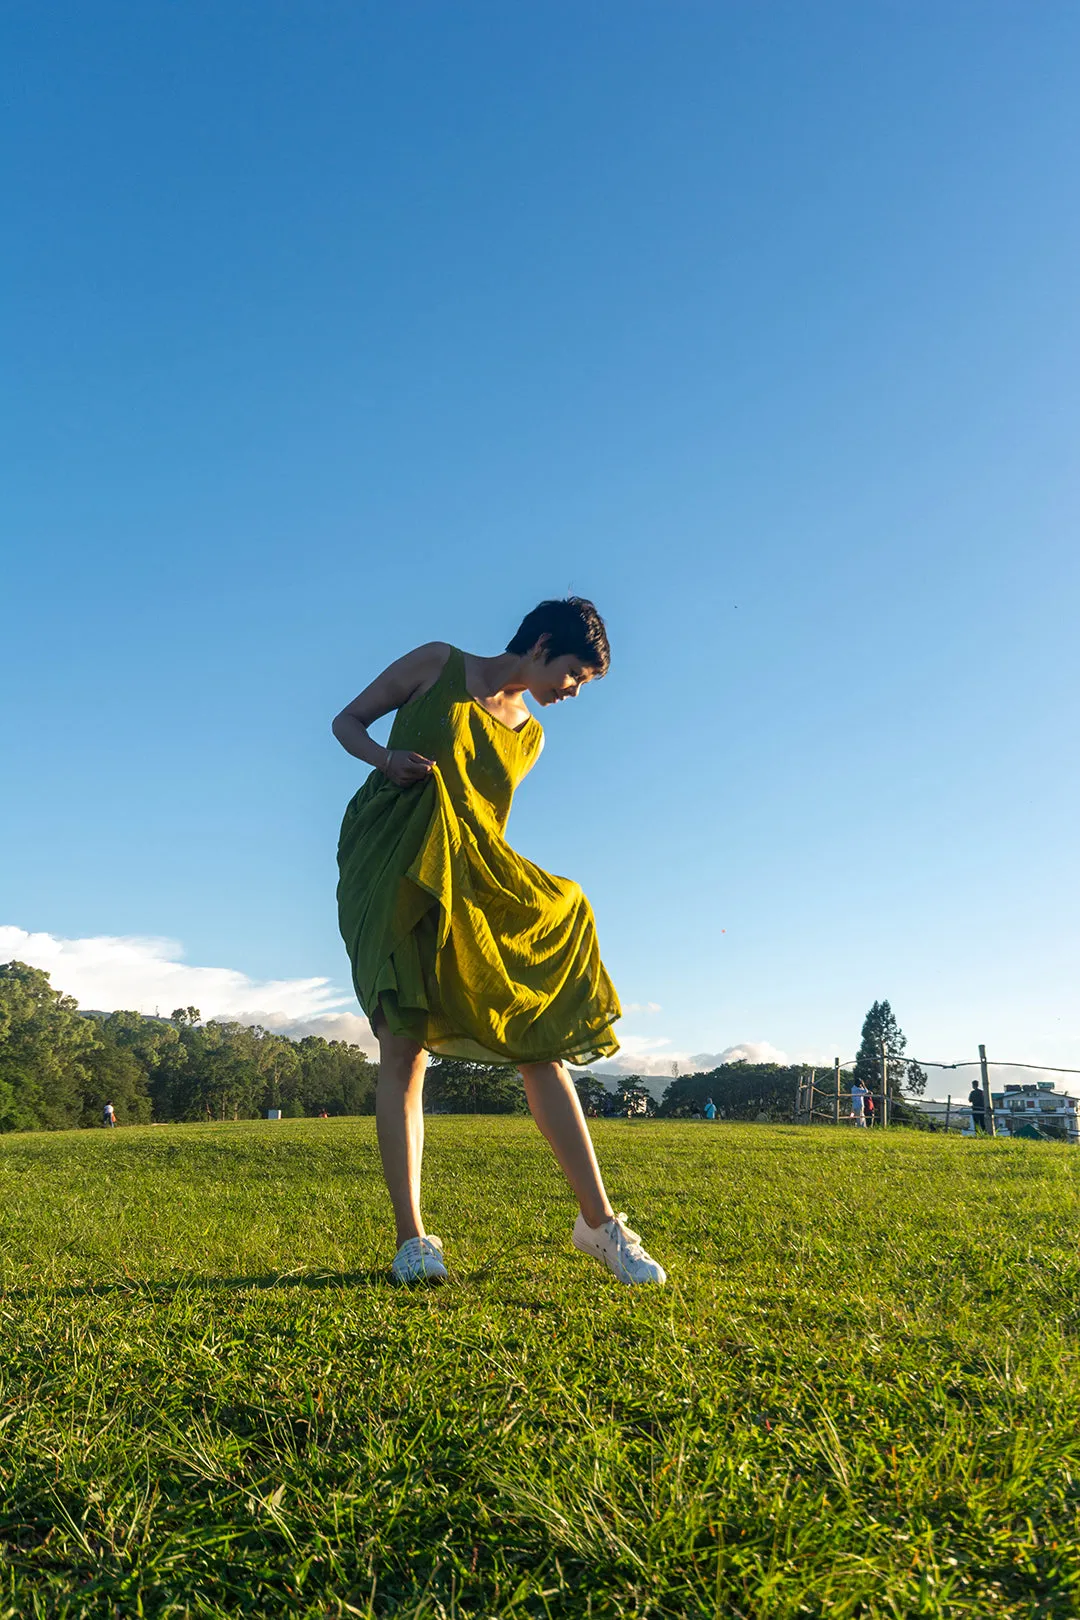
{"x":880,"y":1025}
{"x":456,"y":1086}
{"x":279,"y":1074}
{"x":149,"y":1040}
{"x":229,"y":1083}
{"x":44,"y":1043}
{"x":740,"y":1091}
{"x":114,"y":1075}
{"x":335,"y":1078}
{"x":212,"y":1073}
{"x":594,"y":1096}
{"x":634,"y":1097}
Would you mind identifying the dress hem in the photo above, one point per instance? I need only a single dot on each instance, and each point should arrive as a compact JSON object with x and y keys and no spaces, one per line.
{"x":467,"y":1048}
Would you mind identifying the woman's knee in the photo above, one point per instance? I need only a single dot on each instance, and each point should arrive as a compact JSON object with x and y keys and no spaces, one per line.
{"x":399,"y":1053}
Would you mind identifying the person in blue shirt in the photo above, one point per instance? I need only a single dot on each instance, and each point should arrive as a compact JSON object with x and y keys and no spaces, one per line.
{"x":710,"y":1108}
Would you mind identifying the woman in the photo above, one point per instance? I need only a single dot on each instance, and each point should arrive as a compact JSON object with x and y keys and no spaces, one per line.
{"x":458,"y":945}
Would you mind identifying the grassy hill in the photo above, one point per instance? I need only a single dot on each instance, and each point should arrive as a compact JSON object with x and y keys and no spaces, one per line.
{"x":860,"y":1395}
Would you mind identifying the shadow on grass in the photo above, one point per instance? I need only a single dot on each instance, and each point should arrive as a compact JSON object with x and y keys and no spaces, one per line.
{"x":193,"y":1283}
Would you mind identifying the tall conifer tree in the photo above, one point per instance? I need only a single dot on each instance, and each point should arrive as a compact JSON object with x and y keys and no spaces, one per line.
{"x":880,"y":1025}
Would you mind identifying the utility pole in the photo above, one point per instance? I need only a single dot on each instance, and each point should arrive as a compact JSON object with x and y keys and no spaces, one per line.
{"x":836,"y":1098}
{"x":948,"y":1111}
{"x":990,"y":1126}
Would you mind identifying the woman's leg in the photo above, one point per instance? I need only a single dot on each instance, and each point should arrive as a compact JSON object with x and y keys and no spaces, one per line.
{"x":556,"y":1108}
{"x":399,"y":1121}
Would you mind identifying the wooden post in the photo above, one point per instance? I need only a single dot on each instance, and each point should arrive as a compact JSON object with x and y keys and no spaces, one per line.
{"x":884,"y":1083}
{"x":836,"y":1098}
{"x":813,"y":1096}
{"x":948,"y":1111}
{"x":797,"y":1110}
{"x":990,"y":1126}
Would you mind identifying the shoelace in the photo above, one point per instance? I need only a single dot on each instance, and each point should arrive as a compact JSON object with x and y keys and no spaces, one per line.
{"x":415,"y":1247}
{"x":631,"y":1241}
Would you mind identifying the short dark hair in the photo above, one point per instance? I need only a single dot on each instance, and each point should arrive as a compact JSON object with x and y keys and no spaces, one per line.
{"x":571,"y":625}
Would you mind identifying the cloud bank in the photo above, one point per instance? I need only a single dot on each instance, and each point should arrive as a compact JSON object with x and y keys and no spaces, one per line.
{"x":644,"y":1055}
{"x":106,"y":972}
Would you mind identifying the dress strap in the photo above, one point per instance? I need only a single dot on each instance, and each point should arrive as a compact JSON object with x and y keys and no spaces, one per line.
{"x":454,"y":671}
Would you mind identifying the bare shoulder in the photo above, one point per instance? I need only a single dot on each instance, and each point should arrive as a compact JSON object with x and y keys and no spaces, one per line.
{"x":426,"y":663}
{"x":399,"y":683}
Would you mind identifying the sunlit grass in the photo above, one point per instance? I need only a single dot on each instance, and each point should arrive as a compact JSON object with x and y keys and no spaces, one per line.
{"x":860,"y":1395}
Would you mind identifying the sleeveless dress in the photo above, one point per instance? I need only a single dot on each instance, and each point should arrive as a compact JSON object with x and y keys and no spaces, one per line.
{"x":468,"y":948}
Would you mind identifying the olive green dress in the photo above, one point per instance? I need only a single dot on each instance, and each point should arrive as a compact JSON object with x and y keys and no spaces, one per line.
{"x":467,"y":947}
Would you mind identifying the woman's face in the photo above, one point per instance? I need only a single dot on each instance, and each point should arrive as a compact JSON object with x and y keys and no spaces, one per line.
{"x":562,"y":678}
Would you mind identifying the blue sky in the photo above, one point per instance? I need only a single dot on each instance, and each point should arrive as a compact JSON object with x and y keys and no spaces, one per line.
{"x":336,"y":328}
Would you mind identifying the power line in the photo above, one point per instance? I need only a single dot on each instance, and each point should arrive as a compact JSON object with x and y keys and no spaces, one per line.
{"x":993,"y":1063}
{"x":970,"y":1063}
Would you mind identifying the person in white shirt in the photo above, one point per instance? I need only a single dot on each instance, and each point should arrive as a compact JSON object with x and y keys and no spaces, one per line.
{"x":859,"y":1094}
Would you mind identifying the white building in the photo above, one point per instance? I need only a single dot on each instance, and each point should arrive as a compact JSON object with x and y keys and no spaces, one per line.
{"x":1037,"y":1104}
{"x":1014,"y":1106}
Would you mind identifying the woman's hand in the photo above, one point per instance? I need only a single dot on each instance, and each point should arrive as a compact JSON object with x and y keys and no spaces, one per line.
{"x":405,"y":769}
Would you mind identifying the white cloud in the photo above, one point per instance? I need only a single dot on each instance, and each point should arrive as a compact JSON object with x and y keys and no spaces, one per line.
{"x":655,"y":1057}
{"x":643,"y":1007}
{"x":342,"y":1026}
{"x":107,"y":972}
{"x":743,"y":1052}
{"x":640,"y":1054}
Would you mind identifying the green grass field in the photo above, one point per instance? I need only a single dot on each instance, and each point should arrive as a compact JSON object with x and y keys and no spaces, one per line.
{"x":859,"y":1395}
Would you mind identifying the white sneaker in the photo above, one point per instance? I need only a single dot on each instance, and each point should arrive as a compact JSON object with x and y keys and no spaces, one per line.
{"x":619,"y":1249}
{"x":419,"y":1260}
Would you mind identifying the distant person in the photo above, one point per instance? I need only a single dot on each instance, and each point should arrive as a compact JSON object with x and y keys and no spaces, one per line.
{"x":977,"y":1099}
{"x":710,"y":1108}
{"x":108,"y":1115}
{"x":859,"y":1095}
{"x":868,"y":1109}
{"x":459,"y":946}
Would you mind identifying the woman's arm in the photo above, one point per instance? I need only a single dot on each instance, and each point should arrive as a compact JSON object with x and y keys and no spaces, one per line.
{"x":405,"y":679}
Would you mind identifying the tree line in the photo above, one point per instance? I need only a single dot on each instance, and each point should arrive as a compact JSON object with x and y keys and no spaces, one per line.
{"x":765,"y":1091}
{"x":59,"y":1066}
